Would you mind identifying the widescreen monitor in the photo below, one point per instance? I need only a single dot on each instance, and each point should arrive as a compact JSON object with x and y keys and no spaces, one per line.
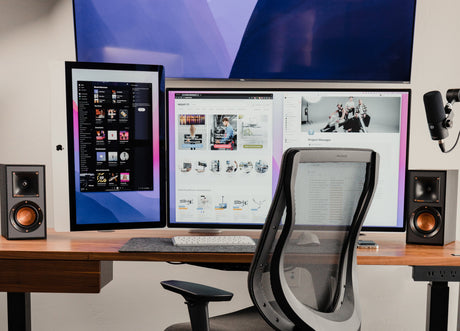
{"x":115,"y":123}
{"x":346,"y":40}
{"x":225,"y":148}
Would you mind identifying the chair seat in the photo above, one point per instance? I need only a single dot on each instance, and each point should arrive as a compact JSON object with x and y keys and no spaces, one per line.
{"x":247,"y":319}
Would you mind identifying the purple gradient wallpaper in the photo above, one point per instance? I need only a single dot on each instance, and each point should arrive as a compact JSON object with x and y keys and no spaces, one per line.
{"x":252,"y":39}
{"x":403,"y":156}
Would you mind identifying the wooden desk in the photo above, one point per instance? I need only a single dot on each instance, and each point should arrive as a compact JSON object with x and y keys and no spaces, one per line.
{"x":393,"y":250}
{"x":104,"y":246}
{"x":82,"y":262}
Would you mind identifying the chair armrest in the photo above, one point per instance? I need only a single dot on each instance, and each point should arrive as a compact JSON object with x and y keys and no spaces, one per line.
{"x":196,"y":292}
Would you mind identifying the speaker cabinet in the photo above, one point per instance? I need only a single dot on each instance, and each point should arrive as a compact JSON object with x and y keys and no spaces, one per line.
{"x":22,"y":201}
{"x":431,"y":206}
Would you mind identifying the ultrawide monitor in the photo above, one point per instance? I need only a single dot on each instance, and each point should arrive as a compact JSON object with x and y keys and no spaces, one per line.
{"x":225,"y":148}
{"x":115,"y":122}
{"x":252,"y":39}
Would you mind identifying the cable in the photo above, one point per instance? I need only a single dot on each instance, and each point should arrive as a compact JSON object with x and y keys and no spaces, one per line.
{"x":441,"y":145}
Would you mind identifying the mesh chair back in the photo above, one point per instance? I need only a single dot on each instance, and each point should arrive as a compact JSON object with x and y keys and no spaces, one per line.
{"x":302,"y":275}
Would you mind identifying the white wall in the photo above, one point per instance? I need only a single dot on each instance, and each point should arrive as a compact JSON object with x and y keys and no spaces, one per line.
{"x":35,"y":34}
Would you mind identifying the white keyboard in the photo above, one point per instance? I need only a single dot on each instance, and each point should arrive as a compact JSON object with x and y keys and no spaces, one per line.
{"x":213,"y":241}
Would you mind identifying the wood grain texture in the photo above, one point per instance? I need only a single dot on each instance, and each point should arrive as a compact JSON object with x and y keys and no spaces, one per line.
{"x":393,"y":250}
{"x":59,"y":276}
{"x":104,"y":246}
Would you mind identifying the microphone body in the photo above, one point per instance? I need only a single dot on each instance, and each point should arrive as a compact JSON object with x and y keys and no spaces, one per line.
{"x":435,"y":115}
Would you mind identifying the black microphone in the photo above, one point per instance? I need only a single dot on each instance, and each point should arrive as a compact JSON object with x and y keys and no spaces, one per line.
{"x":436,"y":116}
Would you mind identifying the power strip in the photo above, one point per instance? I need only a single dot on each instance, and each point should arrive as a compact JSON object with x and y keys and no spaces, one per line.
{"x":436,"y":273}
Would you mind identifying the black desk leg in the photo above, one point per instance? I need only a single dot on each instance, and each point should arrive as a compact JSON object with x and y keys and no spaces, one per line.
{"x":437,"y":309}
{"x":19,"y":312}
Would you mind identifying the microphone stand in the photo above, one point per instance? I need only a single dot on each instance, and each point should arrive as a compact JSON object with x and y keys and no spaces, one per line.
{"x":452,"y":96}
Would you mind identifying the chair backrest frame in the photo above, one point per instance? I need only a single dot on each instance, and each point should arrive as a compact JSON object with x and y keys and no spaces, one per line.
{"x":283,"y":315}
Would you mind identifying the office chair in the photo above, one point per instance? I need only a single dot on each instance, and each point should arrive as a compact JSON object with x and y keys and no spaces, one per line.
{"x":302,"y":276}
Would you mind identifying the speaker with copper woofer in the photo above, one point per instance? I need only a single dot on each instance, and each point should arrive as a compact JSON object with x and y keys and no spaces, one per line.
{"x":431,"y":206}
{"x":23,"y":201}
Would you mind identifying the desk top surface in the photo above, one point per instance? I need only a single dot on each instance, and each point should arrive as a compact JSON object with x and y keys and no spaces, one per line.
{"x":104,"y":246}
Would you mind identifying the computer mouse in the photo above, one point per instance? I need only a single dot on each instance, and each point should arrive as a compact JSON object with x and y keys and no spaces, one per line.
{"x":308,"y":238}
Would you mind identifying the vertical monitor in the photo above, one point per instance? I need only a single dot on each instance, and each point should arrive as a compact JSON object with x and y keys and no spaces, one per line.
{"x":225,"y":149}
{"x":115,"y":116}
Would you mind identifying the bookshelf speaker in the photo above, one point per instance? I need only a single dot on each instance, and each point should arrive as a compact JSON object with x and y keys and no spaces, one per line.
{"x":431,"y":206}
{"x":23,"y":201}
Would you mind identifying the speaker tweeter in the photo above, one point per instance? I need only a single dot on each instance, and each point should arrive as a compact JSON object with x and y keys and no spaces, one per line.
{"x":431,"y":206}
{"x":23,"y":201}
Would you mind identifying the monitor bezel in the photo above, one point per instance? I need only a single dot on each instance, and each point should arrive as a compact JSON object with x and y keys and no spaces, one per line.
{"x":69,"y":66}
{"x":209,"y":226}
